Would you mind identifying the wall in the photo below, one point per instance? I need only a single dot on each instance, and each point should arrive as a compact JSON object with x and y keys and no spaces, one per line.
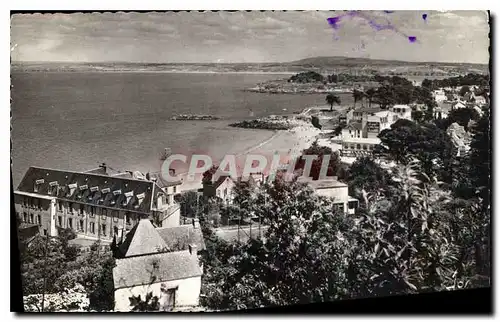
{"x":171,"y":216}
{"x":188,"y":293}
{"x":71,"y":210}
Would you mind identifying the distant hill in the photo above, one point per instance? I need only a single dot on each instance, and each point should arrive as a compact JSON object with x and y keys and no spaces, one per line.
{"x":324,"y":61}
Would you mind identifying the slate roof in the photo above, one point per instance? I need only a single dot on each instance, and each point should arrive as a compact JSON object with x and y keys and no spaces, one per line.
{"x":162,"y":182}
{"x":160,"y":267}
{"x":99,"y":170}
{"x":91,"y":188}
{"x":143,"y":239}
{"x":179,"y":238}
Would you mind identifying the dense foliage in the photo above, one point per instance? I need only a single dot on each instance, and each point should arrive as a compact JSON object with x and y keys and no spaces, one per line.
{"x":411,"y":233}
{"x":307,"y":77}
{"x":51,"y":265}
{"x":469,"y":79}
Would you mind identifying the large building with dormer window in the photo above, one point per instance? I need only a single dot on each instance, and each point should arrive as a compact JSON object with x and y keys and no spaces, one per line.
{"x":94,"y":204}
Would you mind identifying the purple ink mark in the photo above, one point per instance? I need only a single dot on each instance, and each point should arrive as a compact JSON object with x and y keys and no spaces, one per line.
{"x":424,"y":16}
{"x":333,"y":21}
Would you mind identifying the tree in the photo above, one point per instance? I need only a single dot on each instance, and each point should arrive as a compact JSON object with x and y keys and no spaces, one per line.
{"x":429,"y":144}
{"x":332,"y":99}
{"x":400,"y":244}
{"x":464,"y":90}
{"x":357,"y":96}
{"x":276,"y":270}
{"x":463,"y":116}
{"x":417,"y":116}
{"x":370,"y":94}
{"x":149,"y":304}
{"x":189,"y":201}
{"x":320,"y":152}
{"x":365,"y":174}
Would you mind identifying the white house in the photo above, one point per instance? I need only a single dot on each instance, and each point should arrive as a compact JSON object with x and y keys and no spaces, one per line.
{"x":338,"y":191}
{"x":148,"y":265}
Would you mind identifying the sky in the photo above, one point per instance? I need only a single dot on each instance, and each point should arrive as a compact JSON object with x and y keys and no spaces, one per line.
{"x":231,"y":37}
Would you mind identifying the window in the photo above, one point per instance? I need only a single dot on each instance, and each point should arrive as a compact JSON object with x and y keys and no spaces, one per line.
{"x":31,"y":218}
{"x":60,"y":205}
{"x":104,"y":212}
{"x":59,"y":220}
{"x":70,"y":207}
{"x":70,"y":223}
{"x":25,"y":216}
{"x":25,"y":201}
{"x":39,"y":219}
{"x":358,"y":146}
{"x":103,"y":229}
{"x":115,"y":230}
{"x":170,"y":298}
{"x":175,"y":189}
{"x":81,"y":209}
{"x":353,"y":204}
{"x":365,"y":147}
{"x":92,"y":228}
{"x":127,"y":216}
{"x":92,"y":210}
{"x":45,"y":232}
{"x":82,"y":224}
{"x":115,"y":215}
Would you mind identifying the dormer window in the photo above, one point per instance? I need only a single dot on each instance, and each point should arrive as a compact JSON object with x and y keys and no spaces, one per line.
{"x":105,"y":190}
{"x":140,"y":199}
{"x":128,"y":196}
{"x":84,"y":187}
{"x":53,"y":187}
{"x":117,"y":192}
{"x":72,"y":188}
{"x":37,"y":184}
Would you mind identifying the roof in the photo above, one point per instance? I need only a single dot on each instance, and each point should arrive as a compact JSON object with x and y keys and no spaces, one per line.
{"x":30,"y":194}
{"x":322,"y":184}
{"x":142,"y":239}
{"x":91,"y":188}
{"x":160,"y":267}
{"x":219,"y":181}
{"x":368,"y":109}
{"x":162,"y":182}
{"x":231,"y":234}
{"x":355,"y":126}
{"x":401,"y":106}
{"x":361,"y":140}
{"x":180,"y":237}
{"x":86,"y":242}
{"x":100,"y":170}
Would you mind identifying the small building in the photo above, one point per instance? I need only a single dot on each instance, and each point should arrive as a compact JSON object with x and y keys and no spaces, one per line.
{"x":338,"y":191}
{"x":149,"y":266}
{"x":222,"y":189}
{"x":401,"y":112}
{"x":357,"y":147}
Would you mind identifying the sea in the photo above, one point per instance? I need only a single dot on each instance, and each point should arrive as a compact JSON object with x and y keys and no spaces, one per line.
{"x":78,"y":120}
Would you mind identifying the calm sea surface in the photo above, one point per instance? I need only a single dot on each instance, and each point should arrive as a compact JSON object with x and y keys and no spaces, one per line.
{"x":75,"y":121}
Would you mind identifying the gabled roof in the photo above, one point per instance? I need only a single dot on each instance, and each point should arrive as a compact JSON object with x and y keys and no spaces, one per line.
{"x":155,"y":268}
{"x":90,"y":188}
{"x":100,"y":170}
{"x":162,"y":182}
{"x":143,"y":239}
{"x":180,"y":237}
{"x":221,"y":180}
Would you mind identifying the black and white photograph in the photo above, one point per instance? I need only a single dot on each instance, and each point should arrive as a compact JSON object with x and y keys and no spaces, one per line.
{"x":208,"y":161}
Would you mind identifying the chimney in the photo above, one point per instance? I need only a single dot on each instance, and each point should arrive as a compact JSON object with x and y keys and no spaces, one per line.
{"x":196,"y":223}
{"x":193,"y":249}
{"x":103,"y":166}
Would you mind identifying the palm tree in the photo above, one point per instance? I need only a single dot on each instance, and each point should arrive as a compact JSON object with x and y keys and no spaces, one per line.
{"x":332,"y":99}
{"x":370,"y":93}
{"x":357,"y":95}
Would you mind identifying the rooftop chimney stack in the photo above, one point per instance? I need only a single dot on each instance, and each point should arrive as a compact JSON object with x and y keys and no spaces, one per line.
{"x":193,"y":250}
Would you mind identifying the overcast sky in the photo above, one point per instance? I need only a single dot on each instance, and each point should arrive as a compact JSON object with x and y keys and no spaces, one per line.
{"x":458,"y":36}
